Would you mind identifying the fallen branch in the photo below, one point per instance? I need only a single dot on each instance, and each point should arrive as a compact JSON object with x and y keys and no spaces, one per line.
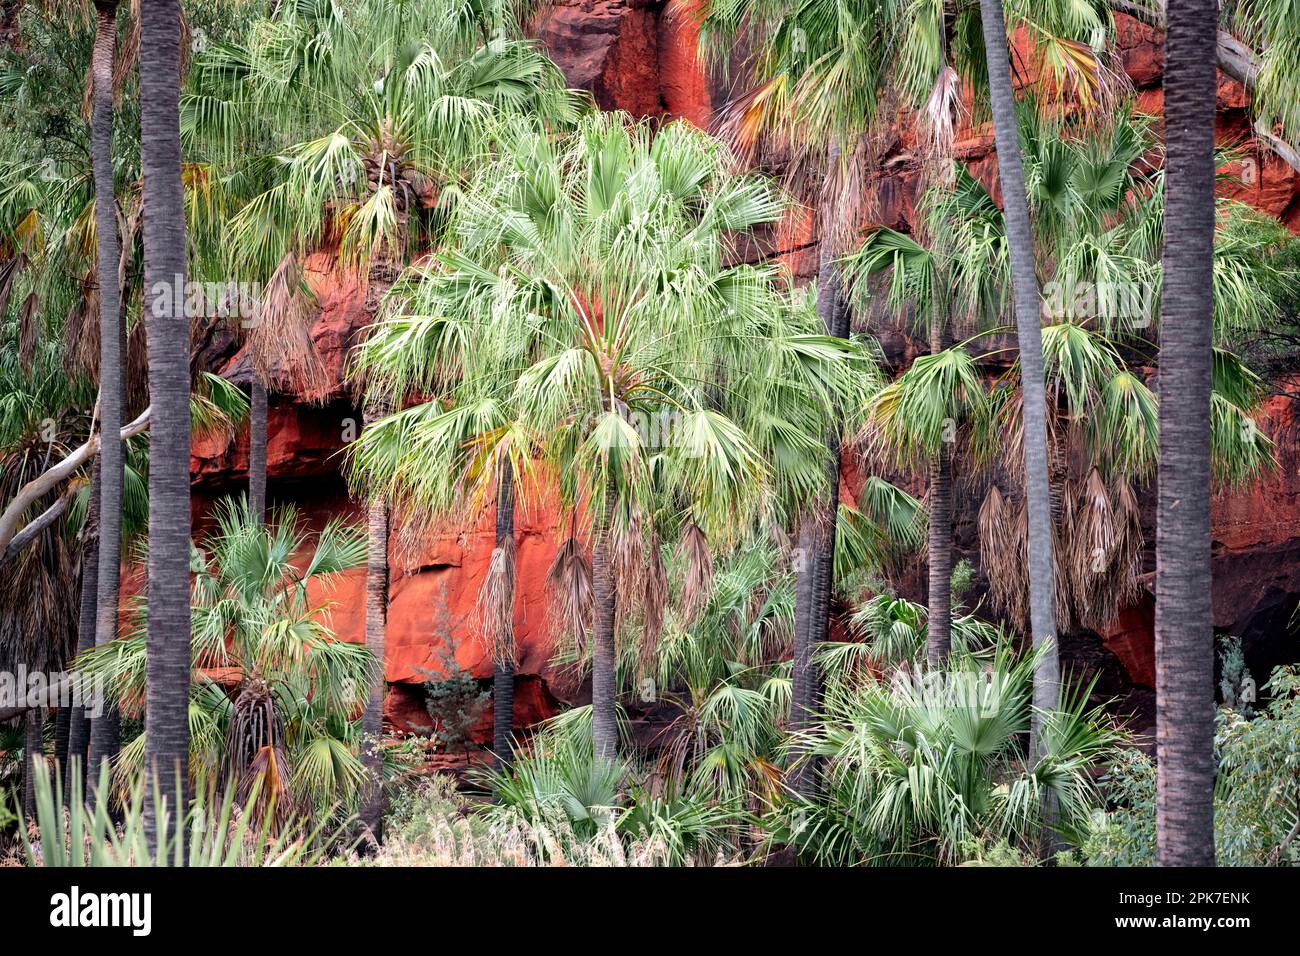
{"x":1235,"y":60}
{"x":47,"y":481}
{"x":46,"y":518}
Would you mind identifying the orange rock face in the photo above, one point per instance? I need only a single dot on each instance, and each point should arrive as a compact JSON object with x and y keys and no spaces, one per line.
{"x":631,"y":55}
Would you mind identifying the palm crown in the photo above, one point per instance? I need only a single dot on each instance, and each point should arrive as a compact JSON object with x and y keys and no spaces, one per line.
{"x":359,"y":117}
{"x":590,"y":305}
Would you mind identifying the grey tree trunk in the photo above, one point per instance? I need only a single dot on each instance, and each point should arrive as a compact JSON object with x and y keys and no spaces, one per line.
{"x":1184,"y":636}
{"x":257,"y":452}
{"x":104,"y":731}
{"x":78,"y":722}
{"x":168,"y":642}
{"x":939,"y":596}
{"x":939,"y":621}
{"x":604,"y":676}
{"x":803,"y":671}
{"x":62,"y":726}
{"x":815,"y":554}
{"x":33,"y":745}
{"x":372,"y":718}
{"x":835,"y":315}
{"x":503,"y":670}
{"x":1024,"y":281}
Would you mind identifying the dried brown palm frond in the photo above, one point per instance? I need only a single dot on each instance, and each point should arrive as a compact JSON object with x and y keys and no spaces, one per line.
{"x":846,"y":198}
{"x":279,"y":339}
{"x":27,"y":317}
{"x":81,"y":332}
{"x":255,"y":756}
{"x":653,"y":597}
{"x":1100,"y":538}
{"x":939,"y":120}
{"x":697,"y":582}
{"x":37,"y":621}
{"x":268,"y":775}
{"x":1089,"y":547}
{"x":569,"y":582}
{"x":1129,"y":543}
{"x":9,"y":270}
{"x":128,"y":49}
{"x":1002,"y":553}
{"x":137,"y":370}
{"x":1011,"y":440}
{"x":1064,"y":500}
{"x":496,"y":603}
{"x":626,"y":549}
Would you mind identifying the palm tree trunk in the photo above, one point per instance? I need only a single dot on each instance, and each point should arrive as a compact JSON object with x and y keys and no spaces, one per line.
{"x":257,"y":452}
{"x":815,"y":554}
{"x":798,"y":778}
{"x":1184,"y":637}
{"x":939,"y":620}
{"x":62,"y":727}
{"x":604,"y":675}
{"x":503,"y":669}
{"x":78,"y":722}
{"x":837,"y":324}
{"x":168,"y":642}
{"x":372,"y":718}
{"x":1024,"y":281}
{"x":33,"y":744}
{"x":939,"y":597}
{"x":104,"y":729}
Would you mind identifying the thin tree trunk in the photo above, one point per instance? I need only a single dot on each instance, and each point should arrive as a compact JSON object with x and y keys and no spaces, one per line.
{"x":604,"y":673}
{"x":939,"y":596}
{"x":836,"y":318}
{"x":62,"y":727}
{"x":803,"y":671}
{"x":1184,"y":635}
{"x":815,"y":557}
{"x":1024,"y":281}
{"x":78,"y":722}
{"x":168,"y":642}
{"x":257,"y":452}
{"x":104,"y":729}
{"x":503,"y":668}
{"x":939,"y":621}
{"x":372,"y":718}
{"x":33,"y":746}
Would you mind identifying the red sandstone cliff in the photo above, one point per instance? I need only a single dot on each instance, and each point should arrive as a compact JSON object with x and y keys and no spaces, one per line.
{"x":632,"y":57}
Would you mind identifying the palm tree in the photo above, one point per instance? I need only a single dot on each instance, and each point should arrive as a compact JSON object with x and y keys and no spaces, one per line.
{"x":110,"y":469}
{"x":815,"y":98}
{"x":498,"y":601}
{"x":820,"y":70}
{"x":279,"y":344}
{"x":386,"y":108}
{"x":1098,"y":215}
{"x":1184,"y":636}
{"x":169,"y":388}
{"x":78,"y":722}
{"x":290,"y":725}
{"x":372,"y":719}
{"x":1024,"y":282}
{"x":920,"y":417}
{"x":911,"y":773}
{"x":601,"y":346}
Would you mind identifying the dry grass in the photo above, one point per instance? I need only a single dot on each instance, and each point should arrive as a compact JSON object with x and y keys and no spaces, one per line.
{"x":433,"y":825}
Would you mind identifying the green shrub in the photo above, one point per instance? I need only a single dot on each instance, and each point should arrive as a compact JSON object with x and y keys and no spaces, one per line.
{"x":1257,"y":794}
